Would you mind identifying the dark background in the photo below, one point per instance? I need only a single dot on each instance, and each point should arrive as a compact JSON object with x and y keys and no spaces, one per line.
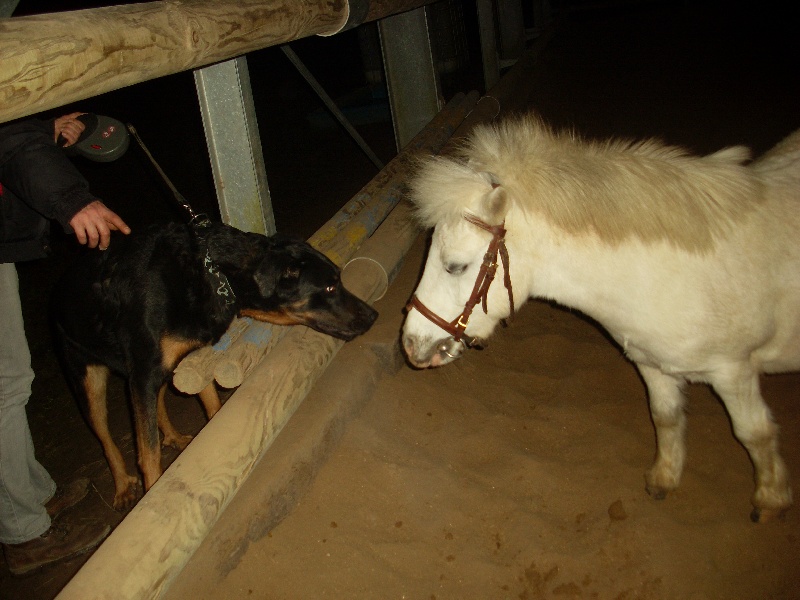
{"x":699,"y":74}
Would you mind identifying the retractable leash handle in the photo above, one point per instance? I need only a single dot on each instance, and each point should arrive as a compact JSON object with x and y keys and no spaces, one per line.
{"x":103,"y":139}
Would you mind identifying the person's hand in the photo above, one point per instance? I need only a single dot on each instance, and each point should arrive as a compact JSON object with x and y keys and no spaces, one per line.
{"x":93,"y":225}
{"x":70,"y":127}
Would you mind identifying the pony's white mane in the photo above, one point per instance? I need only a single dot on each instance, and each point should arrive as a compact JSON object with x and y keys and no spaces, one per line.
{"x":614,"y":189}
{"x":445,"y":188}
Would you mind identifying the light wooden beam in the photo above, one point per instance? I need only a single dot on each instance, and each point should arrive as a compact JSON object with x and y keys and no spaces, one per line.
{"x":54,"y":59}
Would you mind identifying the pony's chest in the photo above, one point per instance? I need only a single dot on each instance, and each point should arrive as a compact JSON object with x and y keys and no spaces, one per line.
{"x":668,"y":356}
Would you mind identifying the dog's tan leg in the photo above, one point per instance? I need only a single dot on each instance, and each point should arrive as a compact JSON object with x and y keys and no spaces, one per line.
{"x":171,"y":435}
{"x":173,"y":349}
{"x":147,"y":439}
{"x":94,"y":384}
{"x":210,"y":399}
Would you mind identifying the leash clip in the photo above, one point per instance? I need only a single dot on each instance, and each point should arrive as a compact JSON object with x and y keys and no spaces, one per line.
{"x":198,"y":221}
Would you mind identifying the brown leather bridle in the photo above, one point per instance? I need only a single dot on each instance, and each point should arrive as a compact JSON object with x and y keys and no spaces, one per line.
{"x":480,"y":291}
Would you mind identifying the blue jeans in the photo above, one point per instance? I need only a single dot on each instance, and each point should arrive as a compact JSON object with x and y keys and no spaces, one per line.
{"x":25,"y":485}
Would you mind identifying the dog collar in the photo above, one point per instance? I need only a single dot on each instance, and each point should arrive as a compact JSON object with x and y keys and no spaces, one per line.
{"x":223,"y":292}
{"x":222,"y":287}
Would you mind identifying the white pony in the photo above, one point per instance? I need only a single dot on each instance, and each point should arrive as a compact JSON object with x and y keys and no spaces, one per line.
{"x":691,"y":263}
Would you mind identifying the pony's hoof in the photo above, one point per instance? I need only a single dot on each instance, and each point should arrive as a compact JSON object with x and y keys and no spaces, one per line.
{"x":762,"y":515}
{"x":656,"y":492}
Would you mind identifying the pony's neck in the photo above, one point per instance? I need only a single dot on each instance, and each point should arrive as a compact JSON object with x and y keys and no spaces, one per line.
{"x":579,"y":271}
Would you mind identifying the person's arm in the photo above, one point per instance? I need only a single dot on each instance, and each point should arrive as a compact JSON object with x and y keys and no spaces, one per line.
{"x":37,"y":171}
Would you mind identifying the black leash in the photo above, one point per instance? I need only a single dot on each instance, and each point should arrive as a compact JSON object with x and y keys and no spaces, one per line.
{"x":201,"y":225}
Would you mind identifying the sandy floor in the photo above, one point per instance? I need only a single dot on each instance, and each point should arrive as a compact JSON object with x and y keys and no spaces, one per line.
{"x":517,"y":472}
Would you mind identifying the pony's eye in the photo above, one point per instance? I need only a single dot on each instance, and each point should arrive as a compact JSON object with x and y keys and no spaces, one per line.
{"x":455,"y":268}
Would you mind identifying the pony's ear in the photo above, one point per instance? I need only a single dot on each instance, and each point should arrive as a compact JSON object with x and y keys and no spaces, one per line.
{"x":495,"y":205}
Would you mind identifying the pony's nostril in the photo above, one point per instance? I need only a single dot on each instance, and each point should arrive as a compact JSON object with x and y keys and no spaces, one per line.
{"x":408,"y":345}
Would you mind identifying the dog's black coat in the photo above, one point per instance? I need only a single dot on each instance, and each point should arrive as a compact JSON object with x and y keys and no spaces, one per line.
{"x":143,"y":304}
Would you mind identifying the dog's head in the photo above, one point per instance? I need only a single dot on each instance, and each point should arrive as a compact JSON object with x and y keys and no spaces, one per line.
{"x":294,"y":284}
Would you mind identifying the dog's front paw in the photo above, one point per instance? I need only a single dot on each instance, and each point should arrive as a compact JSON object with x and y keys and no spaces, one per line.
{"x":126,"y":496}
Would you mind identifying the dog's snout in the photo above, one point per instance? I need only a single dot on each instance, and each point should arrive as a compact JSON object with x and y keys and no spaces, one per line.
{"x":364,"y":317}
{"x":363,"y":321}
{"x":371,"y":315}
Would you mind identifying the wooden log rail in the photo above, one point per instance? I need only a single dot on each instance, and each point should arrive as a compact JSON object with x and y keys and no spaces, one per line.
{"x":55,"y":59}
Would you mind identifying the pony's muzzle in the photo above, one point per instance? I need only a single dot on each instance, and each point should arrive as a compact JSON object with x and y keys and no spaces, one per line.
{"x":435,"y":355}
{"x":448,"y":350}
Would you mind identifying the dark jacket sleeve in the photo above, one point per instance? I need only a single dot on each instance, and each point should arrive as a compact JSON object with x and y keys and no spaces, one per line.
{"x":39,"y":173}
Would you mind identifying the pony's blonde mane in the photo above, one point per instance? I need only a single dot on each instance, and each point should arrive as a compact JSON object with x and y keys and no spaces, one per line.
{"x":614,"y":189}
{"x":444,"y":188}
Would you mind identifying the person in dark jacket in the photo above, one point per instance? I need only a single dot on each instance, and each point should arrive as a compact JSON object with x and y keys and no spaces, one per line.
{"x":38,"y":183}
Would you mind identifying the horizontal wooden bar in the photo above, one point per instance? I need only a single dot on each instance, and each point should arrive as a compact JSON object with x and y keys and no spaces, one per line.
{"x":55,"y":59}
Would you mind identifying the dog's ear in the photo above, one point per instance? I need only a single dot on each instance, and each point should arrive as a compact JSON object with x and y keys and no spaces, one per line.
{"x":266,"y":277}
{"x":271,"y":277}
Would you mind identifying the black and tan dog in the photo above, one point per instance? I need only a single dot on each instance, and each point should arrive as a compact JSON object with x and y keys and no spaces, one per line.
{"x":138,"y":308}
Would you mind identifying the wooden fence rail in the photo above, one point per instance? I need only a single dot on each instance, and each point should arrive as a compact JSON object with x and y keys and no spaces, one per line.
{"x":50,"y":60}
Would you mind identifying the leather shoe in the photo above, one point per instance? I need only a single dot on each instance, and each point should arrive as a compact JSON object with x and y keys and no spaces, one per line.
{"x":61,"y":541}
{"x":66,"y":497}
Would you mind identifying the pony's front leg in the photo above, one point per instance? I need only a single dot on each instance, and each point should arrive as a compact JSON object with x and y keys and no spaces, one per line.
{"x":666,"y":409}
{"x":753,"y":426}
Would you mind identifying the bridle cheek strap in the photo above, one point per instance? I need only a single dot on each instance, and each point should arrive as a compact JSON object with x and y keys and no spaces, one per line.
{"x":480,"y":290}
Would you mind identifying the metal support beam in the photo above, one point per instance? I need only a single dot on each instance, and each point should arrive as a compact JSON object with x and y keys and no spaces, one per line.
{"x":331,"y":105}
{"x":234,"y":145}
{"x":512,"y":31}
{"x":411,"y":77}
{"x":7,"y":8}
{"x":491,"y":62}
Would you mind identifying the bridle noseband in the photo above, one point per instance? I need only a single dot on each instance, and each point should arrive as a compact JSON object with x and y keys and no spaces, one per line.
{"x":480,"y":290}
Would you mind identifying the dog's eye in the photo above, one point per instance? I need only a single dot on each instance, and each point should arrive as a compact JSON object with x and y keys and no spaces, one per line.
{"x":330,"y":289}
{"x":455,"y":268}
